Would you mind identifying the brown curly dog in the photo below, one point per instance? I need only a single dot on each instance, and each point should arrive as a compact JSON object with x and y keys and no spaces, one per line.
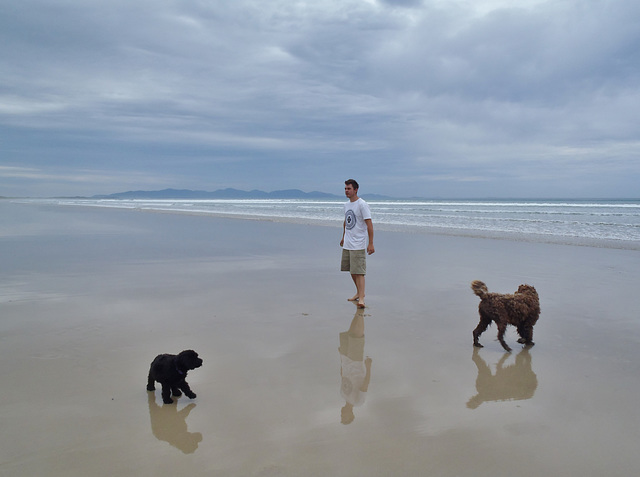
{"x":521,"y":310}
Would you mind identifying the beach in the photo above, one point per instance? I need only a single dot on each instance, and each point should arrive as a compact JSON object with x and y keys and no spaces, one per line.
{"x":90,"y":296}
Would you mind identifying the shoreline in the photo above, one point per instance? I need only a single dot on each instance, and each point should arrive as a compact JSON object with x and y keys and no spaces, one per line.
{"x":618,"y":244}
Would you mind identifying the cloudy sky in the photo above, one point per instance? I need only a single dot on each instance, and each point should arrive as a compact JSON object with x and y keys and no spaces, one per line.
{"x":432,"y":98}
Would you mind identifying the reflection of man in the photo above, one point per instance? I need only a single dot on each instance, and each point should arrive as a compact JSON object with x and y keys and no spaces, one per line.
{"x":354,"y":369}
{"x":513,"y":382}
{"x":168,"y":424}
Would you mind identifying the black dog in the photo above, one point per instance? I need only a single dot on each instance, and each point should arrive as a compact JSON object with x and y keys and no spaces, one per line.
{"x":170,"y":370}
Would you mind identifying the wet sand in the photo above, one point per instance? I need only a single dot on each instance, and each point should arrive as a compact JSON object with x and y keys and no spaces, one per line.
{"x":89,"y":297}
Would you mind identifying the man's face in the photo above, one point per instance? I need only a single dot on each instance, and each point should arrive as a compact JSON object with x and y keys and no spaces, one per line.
{"x":349,"y":191}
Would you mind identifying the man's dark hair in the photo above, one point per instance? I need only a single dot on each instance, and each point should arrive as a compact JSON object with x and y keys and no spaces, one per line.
{"x":353,"y":183}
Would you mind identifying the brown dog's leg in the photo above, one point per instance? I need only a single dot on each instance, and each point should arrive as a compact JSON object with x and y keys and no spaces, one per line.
{"x":526,"y":334}
{"x":502,"y":328}
{"x":482,"y":326}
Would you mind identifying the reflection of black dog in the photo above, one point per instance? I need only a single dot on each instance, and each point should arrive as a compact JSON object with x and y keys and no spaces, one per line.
{"x":170,"y":371}
{"x":169,"y":424}
{"x":521,"y":310}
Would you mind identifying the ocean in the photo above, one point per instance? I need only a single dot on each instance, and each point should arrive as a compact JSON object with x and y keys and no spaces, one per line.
{"x":606,"y":223}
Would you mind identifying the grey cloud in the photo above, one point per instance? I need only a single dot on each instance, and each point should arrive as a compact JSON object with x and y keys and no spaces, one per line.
{"x":408,"y":91}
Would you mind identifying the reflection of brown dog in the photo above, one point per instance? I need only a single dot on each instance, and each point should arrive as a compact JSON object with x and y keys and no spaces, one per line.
{"x":510,"y":383}
{"x":521,"y":310}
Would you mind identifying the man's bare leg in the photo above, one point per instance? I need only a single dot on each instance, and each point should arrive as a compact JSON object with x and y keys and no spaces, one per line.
{"x":355,"y":297}
{"x":357,"y":324}
{"x":358,"y":280}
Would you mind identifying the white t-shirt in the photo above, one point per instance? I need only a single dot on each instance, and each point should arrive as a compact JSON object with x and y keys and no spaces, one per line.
{"x":353,"y":375}
{"x":355,"y":229}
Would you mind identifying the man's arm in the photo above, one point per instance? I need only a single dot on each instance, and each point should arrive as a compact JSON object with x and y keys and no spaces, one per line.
{"x":370,"y":248}
{"x":367,"y":378}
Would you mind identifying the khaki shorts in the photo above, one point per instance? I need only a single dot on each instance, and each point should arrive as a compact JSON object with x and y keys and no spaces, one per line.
{"x":354,"y":262}
{"x":351,"y":347}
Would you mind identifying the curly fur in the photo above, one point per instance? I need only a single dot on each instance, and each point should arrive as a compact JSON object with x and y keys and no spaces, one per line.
{"x":170,"y":371}
{"x":522,"y":310}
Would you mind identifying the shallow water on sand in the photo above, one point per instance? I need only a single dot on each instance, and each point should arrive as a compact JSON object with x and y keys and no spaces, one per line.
{"x":90,"y":297}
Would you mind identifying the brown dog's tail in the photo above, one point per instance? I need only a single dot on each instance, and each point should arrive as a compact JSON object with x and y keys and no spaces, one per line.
{"x":479,"y":288}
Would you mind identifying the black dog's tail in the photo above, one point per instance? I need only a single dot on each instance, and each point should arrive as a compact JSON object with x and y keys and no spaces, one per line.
{"x":479,"y":288}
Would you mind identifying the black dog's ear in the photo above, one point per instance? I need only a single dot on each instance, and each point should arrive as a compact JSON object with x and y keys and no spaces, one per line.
{"x":188,"y":359}
{"x":182,"y":360}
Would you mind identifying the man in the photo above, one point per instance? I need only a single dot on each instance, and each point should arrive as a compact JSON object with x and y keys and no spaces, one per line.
{"x":356,"y":229}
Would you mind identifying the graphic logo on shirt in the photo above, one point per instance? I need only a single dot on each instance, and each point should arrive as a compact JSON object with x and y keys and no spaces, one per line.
{"x":350,"y":219}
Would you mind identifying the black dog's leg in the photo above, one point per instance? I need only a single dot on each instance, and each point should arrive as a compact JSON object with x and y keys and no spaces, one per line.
{"x":482,"y":326}
{"x":176,"y":391}
{"x":166,"y":394}
{"x":187,"y":390}
{"x":150,"y":383}
{"x":502,"y":328}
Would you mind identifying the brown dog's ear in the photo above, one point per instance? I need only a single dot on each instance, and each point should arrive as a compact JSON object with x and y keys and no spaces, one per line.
{"x":527,"y":289}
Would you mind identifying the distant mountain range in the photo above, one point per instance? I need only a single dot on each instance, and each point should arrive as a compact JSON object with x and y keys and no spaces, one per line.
{"x":224,"y":194}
